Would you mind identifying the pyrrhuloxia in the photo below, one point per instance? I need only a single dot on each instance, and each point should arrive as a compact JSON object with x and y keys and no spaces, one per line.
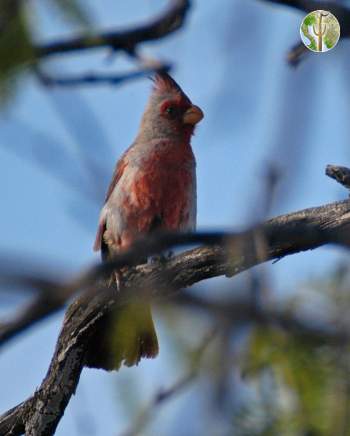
{"x":153,"y":187}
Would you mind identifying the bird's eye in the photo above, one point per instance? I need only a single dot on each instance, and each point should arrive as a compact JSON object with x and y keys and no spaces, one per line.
{"x":170,"y":110}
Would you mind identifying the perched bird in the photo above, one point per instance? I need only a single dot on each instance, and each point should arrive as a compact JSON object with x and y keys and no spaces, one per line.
{"x":153,"y":188}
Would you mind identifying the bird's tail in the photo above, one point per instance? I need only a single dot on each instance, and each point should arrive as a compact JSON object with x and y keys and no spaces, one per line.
{"x":123,"y":337}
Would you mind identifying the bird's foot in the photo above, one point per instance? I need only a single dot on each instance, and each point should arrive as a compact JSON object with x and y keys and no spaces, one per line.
{"x":115,"y":281}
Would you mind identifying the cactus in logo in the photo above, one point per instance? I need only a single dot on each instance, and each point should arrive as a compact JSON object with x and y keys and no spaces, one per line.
{"x":320,"y":31}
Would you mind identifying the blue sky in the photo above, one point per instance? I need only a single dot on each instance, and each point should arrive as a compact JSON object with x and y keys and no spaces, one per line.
{"x":231,"y":61}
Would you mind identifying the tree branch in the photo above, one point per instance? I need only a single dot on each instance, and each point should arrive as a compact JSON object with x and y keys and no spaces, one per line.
{"x":168,"y":22}
{"x":228,"y":255}
{"x":128,"y":40}
{"x":296,"y":54}
{"x":339,"y":174}
{"x":287,"y":234}
{"x":100,"y":78}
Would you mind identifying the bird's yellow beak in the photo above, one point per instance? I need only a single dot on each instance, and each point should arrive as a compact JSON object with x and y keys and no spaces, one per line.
{"x":193,"y":115}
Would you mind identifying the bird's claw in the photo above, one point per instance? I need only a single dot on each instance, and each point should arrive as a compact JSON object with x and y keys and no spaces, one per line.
{"x":115,"y":281}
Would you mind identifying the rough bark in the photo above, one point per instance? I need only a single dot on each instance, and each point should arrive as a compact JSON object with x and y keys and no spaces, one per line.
{"x":278,"y":237}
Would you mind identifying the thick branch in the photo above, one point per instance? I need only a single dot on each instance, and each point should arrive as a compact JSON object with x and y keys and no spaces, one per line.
{"x":339,"y":174}
{"x":284,"y":235}
{"x":278,"y":237}
{"x":170,"y":21}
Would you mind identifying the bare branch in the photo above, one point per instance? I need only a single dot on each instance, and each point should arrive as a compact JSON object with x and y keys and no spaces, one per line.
{"x":339,"y":174}
{"x":296,"y":54}
{"x":37,"y":310}
{"x":100,"y":78}
{"x":168,"y":22}
{"x":228,"y":255}
{"x":128,"y":41}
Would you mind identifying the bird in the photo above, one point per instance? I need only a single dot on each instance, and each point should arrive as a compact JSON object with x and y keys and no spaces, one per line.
{"x":153,"y":188}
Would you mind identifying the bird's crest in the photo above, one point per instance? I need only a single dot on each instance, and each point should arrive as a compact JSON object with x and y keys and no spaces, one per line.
{"x":164,"y":83}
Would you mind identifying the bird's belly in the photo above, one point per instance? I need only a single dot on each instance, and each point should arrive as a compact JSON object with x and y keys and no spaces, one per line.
{"x":145,"y":200}
{"x":165,"y":194}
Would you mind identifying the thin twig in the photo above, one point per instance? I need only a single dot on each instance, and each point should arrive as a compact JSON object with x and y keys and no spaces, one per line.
{"x":100,"y":78}
{"x":296,"y":54}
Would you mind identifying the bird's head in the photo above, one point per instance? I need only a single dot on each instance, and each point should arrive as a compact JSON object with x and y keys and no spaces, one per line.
{"x":170,"y":111}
